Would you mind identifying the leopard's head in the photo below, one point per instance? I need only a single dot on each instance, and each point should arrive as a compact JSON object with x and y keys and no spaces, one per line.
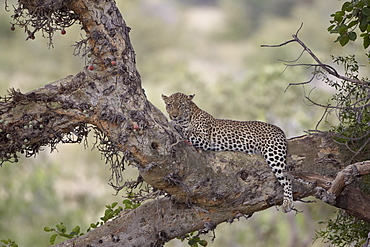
{"x":179,"y":106}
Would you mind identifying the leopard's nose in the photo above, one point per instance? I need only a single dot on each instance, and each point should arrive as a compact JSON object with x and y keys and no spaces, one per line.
{"x":174,"y":116}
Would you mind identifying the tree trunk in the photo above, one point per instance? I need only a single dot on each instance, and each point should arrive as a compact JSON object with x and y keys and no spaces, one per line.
{"x":206,"y":188}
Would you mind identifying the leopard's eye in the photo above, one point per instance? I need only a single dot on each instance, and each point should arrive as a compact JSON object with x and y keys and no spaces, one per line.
{"x":169,"y":105}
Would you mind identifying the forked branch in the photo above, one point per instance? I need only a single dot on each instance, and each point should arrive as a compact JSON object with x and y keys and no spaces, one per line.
{"x":329,"y":69}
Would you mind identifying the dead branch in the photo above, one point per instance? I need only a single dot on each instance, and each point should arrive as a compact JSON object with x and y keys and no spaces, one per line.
{"x":347,"y":175}
{"x":329,"y":69}
{"x":340,"y":192}
{"x":205,"y":188}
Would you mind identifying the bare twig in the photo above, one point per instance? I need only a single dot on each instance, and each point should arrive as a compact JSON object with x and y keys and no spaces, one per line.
{"x":329,"y":69}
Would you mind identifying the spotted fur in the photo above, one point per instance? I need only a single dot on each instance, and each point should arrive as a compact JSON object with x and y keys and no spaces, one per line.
{"x":209,"y":133}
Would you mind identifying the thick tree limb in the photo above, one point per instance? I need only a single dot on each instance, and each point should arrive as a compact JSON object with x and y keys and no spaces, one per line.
{"x":206,"y":188}
{"x":314,"y":161}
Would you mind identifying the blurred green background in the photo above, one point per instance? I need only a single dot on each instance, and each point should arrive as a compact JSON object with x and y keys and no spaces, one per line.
{"x":207,"y":47}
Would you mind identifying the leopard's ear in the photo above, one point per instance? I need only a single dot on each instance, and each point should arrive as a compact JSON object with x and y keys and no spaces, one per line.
{"x":164,"y":97}
{"x":190,"y":96}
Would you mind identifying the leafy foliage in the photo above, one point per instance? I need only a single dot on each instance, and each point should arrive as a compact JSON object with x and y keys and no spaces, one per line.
{"x":194,"y":241}
{"x":354,"y":14}
{"x":344,"y":230}
{"x":352,"y":104}
{"x":61,"y":230}
{"x":8,"y":243}
{"x":111,"y":212}
{"x":352,"y":101}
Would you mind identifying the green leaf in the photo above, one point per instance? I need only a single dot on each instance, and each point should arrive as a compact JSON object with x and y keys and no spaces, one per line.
{"x":366,"y":41}
{"x":352,"y":36}
{"x":343,"y":29}
{"x":76,"y":230}
{"x":366,"y":11}
{"x":363,"y":24}
{"x":61,"y":227}
{"x":331,"y":27}
{"x":203,"y":242}
{"x":4,"y":241}
{"x":343,"y":40}
{"x":347,"y":6}
{"x":47,"y":229}
{"x":52,"y":239}
{"x":192,"y":241}
{"x":338,"y":16}
{"x":352,"y":23}
{"x":92,"y":225}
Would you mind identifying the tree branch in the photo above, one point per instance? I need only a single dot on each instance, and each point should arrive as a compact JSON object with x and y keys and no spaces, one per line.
{"x":347,"y":175}
{"x":205,"y":188}
{"x":329,"y":69}
{"x":314,"y":162}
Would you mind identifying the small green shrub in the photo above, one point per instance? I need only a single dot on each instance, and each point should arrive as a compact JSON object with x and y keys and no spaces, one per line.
{"x":344,"y":230}
{"x":111,"y":212}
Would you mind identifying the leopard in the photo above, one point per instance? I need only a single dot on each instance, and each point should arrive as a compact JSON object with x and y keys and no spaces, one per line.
{"x":203,"y":131}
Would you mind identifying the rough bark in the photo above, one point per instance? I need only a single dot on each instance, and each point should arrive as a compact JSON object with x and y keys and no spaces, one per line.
{"x":206,"y":188}
{"x":314,"y":162}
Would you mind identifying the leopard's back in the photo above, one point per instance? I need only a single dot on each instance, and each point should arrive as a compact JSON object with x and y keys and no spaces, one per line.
{"x":246,"y":136}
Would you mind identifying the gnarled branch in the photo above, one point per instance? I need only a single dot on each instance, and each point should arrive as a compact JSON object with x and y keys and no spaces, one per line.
{"x":203,"y":188}
{"x":329,"y":69}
